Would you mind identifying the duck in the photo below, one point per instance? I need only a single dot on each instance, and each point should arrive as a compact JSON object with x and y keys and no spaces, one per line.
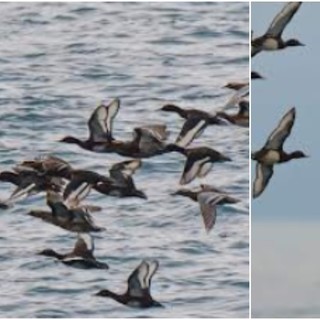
{"x":272,"y":39}
{"x":138,"y":292}
{"x":119,"y":184}
{"x":241,"y":118}
{"x":199,"y":162}
{"x":100,"y":128}
{"x":147,"y":141}
{"x":74,"y":219}
{"x":272,"y":153}
{"x":80,"y":257}
{"x":123,"y":186}
{"x":208,"y":197}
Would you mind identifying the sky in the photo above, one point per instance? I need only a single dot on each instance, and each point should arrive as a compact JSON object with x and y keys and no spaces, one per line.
{"x":285,"y":231}
{"x":292,"y":79}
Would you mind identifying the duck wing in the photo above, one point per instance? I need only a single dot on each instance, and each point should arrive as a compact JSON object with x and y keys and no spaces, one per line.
{"x":129,"y":167}
{"x":283,"y":18}
{"x":237,"y":97}
{"x":159,"y":131}
{"x":76,"y":191}
{"x":58,"y":208}
{"x":192,"y":129}
{"x":100,"y":122}
{"x":208,"y":202}
{"x":147,"y":141}
{"x":84,"y":247}
{"x":192,"y":167}
{"x":122,"y":172}
{"x":263,"y":175}
{"x":282,"y":131}
{"x":140,"y":280}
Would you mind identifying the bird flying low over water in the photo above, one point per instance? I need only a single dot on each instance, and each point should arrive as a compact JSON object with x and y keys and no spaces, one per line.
{"x":80,"y":257}
{"x":272,"y":39}
{"x":100,"y":127}
{"x":139,"y":283}
{"x":272,"y":153}
{"x":199,"y":162}
{"x":147,"y":141}
{"x":208,"y":197}
{"x":75,"y":219}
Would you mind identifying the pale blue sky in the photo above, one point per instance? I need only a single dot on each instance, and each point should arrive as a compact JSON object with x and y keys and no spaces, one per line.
{"x":292,"y":79}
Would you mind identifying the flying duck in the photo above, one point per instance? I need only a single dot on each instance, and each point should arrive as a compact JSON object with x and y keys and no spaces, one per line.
{"x":272,"y":153}
{"x":123,"y":184}
{"x":100,"y":128}
{"x":272,"y":39}
{"x":138,"y":292}
{"x":75,"y":219}
{"x":119,"y":184}
{"x":209,"y":197}
{"x":80,"y":257}
{"x":199,"y":162}
{"x":241,"y":118}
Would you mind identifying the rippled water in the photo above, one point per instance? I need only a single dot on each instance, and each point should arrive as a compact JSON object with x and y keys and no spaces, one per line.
{"x":57,"y":62}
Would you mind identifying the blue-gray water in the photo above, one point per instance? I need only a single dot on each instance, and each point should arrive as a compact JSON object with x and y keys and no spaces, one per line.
{"x":57,"y":62}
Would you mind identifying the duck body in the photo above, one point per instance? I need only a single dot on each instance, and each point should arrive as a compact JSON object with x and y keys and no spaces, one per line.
{"x":241,"y":118}
{"x":81,"y":257}
{"x":138,"y":292}
{"x":143,"y":302}
{"x":75,"y":219}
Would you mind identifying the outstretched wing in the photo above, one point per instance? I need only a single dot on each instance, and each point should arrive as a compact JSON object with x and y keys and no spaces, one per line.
{"x":76,"y":190}
{"x":263,"y":175}
{"x":237,"y":97}
{"x":100,"y":122}
{"x":192,"y":168}
{"x":84,"y":247}
{"x":148,"y":141}
{"x":282,"y":131}
{"x":192,"y":129}
{"x":208,"y":202}
{"x":159,"y":131}
{"x":283,"y":18}
{"x":139,"y":281}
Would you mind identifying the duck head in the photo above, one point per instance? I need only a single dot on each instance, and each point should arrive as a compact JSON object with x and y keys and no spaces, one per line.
{"x":186,"y":193}
{"x":50,"y":253}
{"x":293,"y":43}
{"x":70,"y":139}
{"x":170,"y":108}
{"x":298,"y":155}
{"x":105,"y":293}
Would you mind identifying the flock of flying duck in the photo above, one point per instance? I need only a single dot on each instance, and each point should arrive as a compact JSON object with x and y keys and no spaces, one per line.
{"x":66,"y":187}
{"x":272,"y":152}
